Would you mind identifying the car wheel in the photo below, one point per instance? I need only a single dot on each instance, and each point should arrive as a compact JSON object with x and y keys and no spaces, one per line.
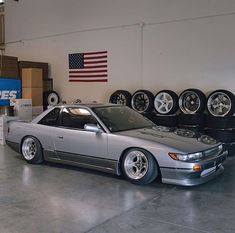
{"x":31,"y":150}
{"x":142,"y":101}
{"x":139,"y":166}
{"x":192,"y":101}
{"x":50,"y":98}
{"x":166,"y":102}
{"x":220,"y":103}
{"x":121,"y":97}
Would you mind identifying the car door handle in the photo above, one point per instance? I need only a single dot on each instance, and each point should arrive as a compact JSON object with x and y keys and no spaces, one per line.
{"x":60,"y":137}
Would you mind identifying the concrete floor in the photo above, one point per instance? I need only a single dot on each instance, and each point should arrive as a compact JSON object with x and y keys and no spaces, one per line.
{"x":51,"y":198}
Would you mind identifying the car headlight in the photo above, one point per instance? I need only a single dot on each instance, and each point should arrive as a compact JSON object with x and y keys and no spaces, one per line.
{"x":186,"y":157}
{"x":197,"y":155}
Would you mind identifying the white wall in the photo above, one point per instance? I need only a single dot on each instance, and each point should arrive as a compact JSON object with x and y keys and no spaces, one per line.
{"x":184,"y":43}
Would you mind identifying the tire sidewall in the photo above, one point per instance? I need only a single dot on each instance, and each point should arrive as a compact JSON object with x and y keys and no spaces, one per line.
{"x":150,"y":97}
{"x":152,"y":171}
{"x":202,"y":100}
{"x":38,"y":158}
{"x":174,"y":97}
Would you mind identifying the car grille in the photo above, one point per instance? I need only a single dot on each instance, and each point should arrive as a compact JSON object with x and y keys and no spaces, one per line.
{"x":213,"y":152}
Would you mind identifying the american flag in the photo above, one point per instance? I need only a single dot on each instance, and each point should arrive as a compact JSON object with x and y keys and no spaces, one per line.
{"x":88,"y":67}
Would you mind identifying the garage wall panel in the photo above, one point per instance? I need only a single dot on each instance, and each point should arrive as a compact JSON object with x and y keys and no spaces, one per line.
{"x":197,"y":54}
{"x":186,"y":43}
{"x":124,"y":63}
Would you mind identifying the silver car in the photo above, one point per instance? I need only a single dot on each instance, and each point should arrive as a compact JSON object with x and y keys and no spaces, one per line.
{"x":116,"y":139}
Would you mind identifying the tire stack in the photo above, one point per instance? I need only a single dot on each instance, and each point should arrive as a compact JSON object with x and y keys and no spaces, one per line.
{"x":191,"y":110}
{"x":166,"y":106}
{"x":192,"y":104}
{"x":220,"y":121}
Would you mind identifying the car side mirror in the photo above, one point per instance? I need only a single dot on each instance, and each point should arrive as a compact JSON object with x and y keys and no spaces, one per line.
{"x":92,"y":128}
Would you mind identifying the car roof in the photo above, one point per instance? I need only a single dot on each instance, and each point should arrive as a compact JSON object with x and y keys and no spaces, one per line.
{"x":89,"y":105}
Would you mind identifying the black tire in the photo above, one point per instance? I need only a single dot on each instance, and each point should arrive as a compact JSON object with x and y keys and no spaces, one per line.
{"x":31,"y":150}
{"x":226,"y":122}
{"x":220,"y":103}
{"x":142,"y":101}
{"x":192,"y":101}
{"x":150,"y":174}
{"x":191,"y":120}
{"x":121,"y":97}
{"x":50,"y":98}
{"x":165,"y":120}
{"x":224,"y":136}
{"x":166,"y":102}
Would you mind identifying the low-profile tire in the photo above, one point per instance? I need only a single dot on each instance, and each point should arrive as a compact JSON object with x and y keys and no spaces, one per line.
{"x":166,"y":102}
{"x":50,"y":98}
{"x":142,"y":101}
{"x":166,"y":120}
{"x":220,"y":103}
{"x":226,"y":122}
{"x":31,"y":150}
{"x":139,"y":166}
{"x":121,"y":97}
{"x":191,"y":119}
{"x":192,"y":101}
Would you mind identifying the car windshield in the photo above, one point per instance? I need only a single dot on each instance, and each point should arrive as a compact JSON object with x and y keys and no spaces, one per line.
{"x":121,"y":118}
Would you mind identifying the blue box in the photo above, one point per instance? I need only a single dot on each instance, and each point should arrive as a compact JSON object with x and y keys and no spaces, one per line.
{"x":9,"y":89}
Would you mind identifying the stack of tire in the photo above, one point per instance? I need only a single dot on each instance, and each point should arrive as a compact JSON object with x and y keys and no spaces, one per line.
{"x":220,"y":122}
{"x":188,"y":110}
{"x":192,"y":104}
{"x":161,"y":109}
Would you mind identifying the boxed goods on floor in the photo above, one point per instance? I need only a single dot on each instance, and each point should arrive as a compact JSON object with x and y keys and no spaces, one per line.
{"x":32,"y":85}
{"x":22,"y":108}
{"x":9,"y":67}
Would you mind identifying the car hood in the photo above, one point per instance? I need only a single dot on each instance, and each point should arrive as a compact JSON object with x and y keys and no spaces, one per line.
{"x":185,"y":141}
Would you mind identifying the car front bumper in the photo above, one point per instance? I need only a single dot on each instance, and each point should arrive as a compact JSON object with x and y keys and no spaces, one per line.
{"x":211,"y":168}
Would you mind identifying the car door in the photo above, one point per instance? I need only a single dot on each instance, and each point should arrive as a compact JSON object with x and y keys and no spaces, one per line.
{"x":73,"y":143}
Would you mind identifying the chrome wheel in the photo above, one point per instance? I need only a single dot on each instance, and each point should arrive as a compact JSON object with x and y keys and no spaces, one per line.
{"x":53,"y":99}
{"x":142,"y":101}
{"x":121,"y":97}
{"x":189,"y":102}
{"x":163,"y":103}
{"x":219,"y":104}
{"x":29,"y":148}
{"x":136,"y":165}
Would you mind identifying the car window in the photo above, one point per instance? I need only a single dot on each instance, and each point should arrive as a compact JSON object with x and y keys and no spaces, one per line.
{"x":51,"y":119}
{"x":121,"y":118}
{"x":76,"y":118}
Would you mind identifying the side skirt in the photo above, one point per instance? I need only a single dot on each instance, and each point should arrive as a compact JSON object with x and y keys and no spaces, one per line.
{"x":14,"y":146}
{"x":100,"y":164}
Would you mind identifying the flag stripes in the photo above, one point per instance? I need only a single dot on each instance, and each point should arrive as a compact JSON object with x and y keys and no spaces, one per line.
{"x":88,"y":67}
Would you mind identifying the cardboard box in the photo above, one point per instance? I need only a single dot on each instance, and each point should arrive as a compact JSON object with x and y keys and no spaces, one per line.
{"x":34,"y":93}
{"x":32,"y":77}
{"x":23,"y":108}
{"x":9,"y":67}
